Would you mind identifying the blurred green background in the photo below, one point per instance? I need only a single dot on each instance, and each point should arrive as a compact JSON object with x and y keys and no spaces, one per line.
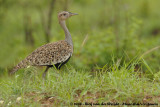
{"x":103,"y":29}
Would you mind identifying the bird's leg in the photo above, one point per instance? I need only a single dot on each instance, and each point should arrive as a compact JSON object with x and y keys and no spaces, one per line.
{"x":44,"y":74}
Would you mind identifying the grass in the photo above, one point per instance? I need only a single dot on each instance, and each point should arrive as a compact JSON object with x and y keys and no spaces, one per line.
{"x":116,"y":84}
{"x":129,"y":30}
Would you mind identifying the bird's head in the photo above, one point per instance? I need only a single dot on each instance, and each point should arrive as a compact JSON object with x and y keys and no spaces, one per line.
{"x":65,"y":15}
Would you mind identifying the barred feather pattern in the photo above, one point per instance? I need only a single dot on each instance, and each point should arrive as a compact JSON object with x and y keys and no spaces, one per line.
{"x":22,"y":64}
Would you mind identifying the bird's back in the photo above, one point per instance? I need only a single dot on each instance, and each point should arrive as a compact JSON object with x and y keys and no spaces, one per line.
{"x":46,"y":55}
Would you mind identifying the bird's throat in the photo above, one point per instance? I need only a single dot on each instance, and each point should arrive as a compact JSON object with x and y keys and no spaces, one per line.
{"x":68,"y":37}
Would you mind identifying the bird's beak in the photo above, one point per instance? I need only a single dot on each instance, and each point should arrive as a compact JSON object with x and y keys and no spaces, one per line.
{"x":72,"y":14}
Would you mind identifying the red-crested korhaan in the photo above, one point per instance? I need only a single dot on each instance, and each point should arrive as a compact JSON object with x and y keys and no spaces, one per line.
{"x":51,"y":54}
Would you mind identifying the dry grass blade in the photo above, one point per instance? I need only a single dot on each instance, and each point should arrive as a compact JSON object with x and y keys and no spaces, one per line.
{"x":149,"y":51}
{"x":84,"y":41}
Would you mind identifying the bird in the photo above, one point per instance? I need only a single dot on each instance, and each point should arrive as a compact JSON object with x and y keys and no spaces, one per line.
{"x":52,"y":54}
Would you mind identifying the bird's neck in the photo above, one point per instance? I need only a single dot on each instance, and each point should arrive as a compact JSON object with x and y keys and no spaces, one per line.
{"x":68,"y":37}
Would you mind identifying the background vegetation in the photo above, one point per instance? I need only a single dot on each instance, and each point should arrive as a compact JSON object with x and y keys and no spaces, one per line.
{"x":116,"y":52}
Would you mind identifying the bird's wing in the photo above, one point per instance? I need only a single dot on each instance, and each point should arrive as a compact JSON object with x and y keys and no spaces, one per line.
{"x":50,"y":54}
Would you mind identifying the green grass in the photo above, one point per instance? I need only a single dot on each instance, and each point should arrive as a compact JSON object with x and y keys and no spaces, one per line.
{"x":116,"y":53}
{"x":114,"y":84}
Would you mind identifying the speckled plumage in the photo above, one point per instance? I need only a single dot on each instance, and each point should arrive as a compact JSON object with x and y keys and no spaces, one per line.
{"x":50,"y":54}
{"x":47,"y":55}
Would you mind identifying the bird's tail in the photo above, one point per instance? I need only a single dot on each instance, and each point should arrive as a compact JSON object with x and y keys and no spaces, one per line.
{"x":22,"y":64}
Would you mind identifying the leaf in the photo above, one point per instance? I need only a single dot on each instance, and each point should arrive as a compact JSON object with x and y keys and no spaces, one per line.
{"x":145,"y":63}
